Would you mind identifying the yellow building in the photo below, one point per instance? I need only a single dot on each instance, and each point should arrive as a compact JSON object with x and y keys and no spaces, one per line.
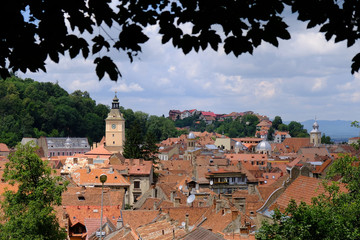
{"x":115,"y":128}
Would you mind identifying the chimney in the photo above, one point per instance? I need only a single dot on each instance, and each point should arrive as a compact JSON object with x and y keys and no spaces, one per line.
{"x":111,"y":170}
{"x":131,"y":162}
{"x":88,"y":170}
{"x":187,"y":222}
{"x":154,"y":206}
{"x":141,"y":161}
{"x":119,"y":223}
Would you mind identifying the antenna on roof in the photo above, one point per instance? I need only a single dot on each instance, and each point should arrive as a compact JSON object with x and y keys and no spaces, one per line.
{"x":190,"y":199}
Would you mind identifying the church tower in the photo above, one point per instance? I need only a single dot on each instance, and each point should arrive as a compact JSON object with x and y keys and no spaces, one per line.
{"x":115,"y":128}
{"x":315,"y":135}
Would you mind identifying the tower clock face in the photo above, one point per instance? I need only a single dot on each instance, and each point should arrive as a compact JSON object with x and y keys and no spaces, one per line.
{"x":113,"y":126}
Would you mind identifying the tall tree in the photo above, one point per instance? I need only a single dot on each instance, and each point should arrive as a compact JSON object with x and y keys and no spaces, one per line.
{"x":326,"y":139}
{"x":149,"y":148}
{"x":270,"y":134}
{"x":133,"y":141}
{"x":28,"y":213}
{"x":277,"y":121}
{"x":41,"y":30}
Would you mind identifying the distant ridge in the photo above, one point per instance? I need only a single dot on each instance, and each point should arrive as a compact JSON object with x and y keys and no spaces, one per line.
{"x":336,"y":129}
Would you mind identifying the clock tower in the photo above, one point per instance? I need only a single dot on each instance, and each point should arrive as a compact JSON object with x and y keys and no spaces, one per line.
{"x":115,"y":128}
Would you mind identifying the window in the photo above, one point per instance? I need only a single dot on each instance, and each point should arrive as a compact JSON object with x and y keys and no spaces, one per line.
{"x":113,"y":142}
{"x":113,"y":135}
{"x":136,"y":184}
{"x":81,"y":198}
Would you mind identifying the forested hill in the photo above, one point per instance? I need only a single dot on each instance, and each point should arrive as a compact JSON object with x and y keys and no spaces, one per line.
{"x":33,"y":109}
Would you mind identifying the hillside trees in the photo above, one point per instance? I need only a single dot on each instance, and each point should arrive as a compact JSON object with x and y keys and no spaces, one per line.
{"x":28,"y":213}
{"x":33,"y":109}
{"x":38,"y":30}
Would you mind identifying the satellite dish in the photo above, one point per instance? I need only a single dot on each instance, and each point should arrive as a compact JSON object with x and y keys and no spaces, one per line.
{"x":211,"y":182}
{"x":191,"y":198}
{"x":180,"y":187}
{"x":183,"y":224}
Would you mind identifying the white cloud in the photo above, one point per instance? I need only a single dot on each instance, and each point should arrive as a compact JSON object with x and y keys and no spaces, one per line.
{"x":172,"y":69}
{"x":265,"y":89}
{"x":319,"y":84}
{"x":123,"y":87}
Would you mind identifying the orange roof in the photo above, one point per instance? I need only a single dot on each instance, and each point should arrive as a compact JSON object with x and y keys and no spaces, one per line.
{"x":100,"y":150}
{"x":163,"y":229}
{"x":294,"y":144}
{"x":139,"y":217}
{"x":81,"y":196}
{"x":4,"y":148}
{"x":302,"y":189}
{"x":84,"y":177}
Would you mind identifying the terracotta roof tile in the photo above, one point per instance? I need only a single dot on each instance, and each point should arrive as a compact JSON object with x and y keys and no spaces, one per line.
{"x":81,"y":196}
{"x":302,"y":189}
{"x":294,"y":144}
{"x":160,"y":230}
{"x":84,"y":178}
{"x":100,"y":150}
{"x":4,"y":148}
{"x":139,"y":217}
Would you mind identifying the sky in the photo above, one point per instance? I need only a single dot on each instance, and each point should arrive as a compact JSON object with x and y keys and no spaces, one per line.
{"x":304,"y":78}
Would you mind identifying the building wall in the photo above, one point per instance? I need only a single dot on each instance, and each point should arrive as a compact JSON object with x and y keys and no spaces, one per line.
{"x":226,"y":142}
{"x":145,"y":183}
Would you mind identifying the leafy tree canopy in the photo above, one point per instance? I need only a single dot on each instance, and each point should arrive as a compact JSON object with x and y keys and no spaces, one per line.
{"x":34,"y":109}
{"x":28,"y":213}
{"x":38,"y":30}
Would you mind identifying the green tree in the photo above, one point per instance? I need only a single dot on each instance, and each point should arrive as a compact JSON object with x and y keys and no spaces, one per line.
{"x":277,"y":121}
{"x":283,"y":127}
{"x":133,"y":141}
{"x":38,"y":30}
{"x":326,"y":139}
{"x":28,"y":213}
{"x":149,"y":148}
{"x":296,"y":129}
{"x":270,"y":134}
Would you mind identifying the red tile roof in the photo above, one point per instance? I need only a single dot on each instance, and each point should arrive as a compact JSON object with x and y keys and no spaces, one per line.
{"x":302,"y":189}
{"x":139,"y":217}
{"x":100,"y":150}
{"x":208,"y":114}
{"x":84,"y":178}
{"x":4,"y":148}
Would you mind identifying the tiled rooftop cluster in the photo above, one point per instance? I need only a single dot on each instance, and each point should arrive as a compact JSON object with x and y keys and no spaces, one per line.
{"x":206,"y":186}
